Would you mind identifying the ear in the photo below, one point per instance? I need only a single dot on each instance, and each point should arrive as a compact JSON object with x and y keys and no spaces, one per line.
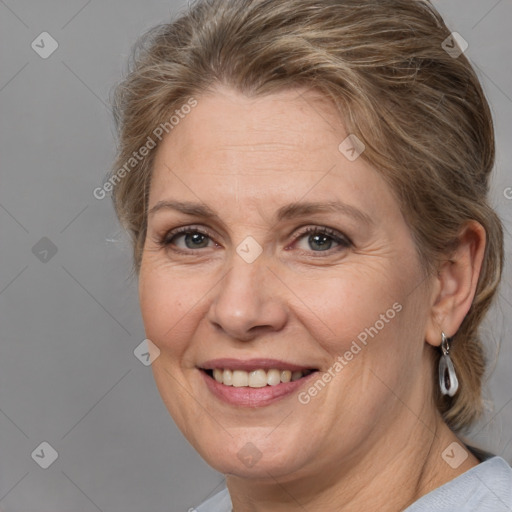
{"x":455,"y":285}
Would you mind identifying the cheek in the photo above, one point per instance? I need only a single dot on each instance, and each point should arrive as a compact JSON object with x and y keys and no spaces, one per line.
{"x":166,"y":305}
{"x":357,"y":301}
{"x":365,"y":321}
{"x":354,"y":305}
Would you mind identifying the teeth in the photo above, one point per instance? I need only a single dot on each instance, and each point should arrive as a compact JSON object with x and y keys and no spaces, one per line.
{"x":273,"y":377}
{"x":227,"y":377}
{"x":296,"y":376}
{"x":256,"y":378}
{"x":240,"y":379}
{"x":286,"y":376}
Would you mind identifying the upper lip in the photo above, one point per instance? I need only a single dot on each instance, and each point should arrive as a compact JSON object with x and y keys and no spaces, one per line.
{"x":252,"y":364}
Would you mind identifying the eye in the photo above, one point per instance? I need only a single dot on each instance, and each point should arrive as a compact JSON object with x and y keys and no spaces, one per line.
{"x":321,"y":239}
{"x":313,"y":239}
{"x":193,"y":238}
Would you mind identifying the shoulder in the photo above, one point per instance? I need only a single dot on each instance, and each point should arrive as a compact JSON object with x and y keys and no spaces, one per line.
{"x":220,"y":502}
{"x":486,"y":487}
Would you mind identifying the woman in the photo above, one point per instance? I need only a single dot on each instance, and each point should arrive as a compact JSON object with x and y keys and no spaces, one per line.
{"x":305,"y":184}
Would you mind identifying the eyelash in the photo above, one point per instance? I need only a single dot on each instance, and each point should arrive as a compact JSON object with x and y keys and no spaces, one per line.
{"x":343,"y":241}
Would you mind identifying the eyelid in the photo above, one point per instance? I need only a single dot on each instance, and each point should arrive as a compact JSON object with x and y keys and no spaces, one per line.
{"x":186,"y":229}
{"x":334,"y":233}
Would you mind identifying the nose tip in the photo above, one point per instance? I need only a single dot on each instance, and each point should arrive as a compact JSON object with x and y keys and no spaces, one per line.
{"x":246,"y":304}
{"x":240,"y":327}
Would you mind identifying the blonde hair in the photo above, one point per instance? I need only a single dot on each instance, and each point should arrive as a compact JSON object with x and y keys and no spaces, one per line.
{"x":419,"y":110}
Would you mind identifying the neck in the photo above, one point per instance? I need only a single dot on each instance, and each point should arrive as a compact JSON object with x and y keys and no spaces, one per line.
{"x":396,"y":472}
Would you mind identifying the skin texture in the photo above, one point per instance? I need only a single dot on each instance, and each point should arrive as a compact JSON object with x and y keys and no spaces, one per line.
{"x":372,"y":438}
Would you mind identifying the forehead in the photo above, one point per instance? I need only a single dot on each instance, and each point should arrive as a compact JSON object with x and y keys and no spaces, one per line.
{"x":272,"y":149}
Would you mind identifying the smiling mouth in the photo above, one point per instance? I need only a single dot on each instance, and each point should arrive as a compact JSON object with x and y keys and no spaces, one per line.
{"x":257,"y":378}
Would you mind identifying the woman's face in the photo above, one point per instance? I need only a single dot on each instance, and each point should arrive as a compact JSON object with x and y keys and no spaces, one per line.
{"x":260,"y":282}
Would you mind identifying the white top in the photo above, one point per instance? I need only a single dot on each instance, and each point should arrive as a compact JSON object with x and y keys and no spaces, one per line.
{"x":486,"y":487}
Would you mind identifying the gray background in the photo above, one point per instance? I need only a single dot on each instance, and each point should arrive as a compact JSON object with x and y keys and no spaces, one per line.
{"x":69,"y":325}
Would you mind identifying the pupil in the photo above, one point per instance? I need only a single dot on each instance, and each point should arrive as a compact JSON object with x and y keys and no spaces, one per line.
{"x":196,"y":237}
{"x":314,"y":239}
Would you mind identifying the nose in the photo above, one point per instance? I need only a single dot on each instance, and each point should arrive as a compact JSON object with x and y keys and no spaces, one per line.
{"x":249,"y":301}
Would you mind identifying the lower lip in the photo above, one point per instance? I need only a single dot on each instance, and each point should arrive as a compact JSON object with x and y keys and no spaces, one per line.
{"x":253,"y":397}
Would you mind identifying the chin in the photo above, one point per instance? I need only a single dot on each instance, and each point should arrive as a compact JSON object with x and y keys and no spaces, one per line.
{"x":256,"y":457}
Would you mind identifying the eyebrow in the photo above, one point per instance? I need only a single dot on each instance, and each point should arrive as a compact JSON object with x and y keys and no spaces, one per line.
{"x":289,"y":211}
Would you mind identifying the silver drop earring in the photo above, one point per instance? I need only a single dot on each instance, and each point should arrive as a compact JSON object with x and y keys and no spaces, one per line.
{"x":447,"y":378}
